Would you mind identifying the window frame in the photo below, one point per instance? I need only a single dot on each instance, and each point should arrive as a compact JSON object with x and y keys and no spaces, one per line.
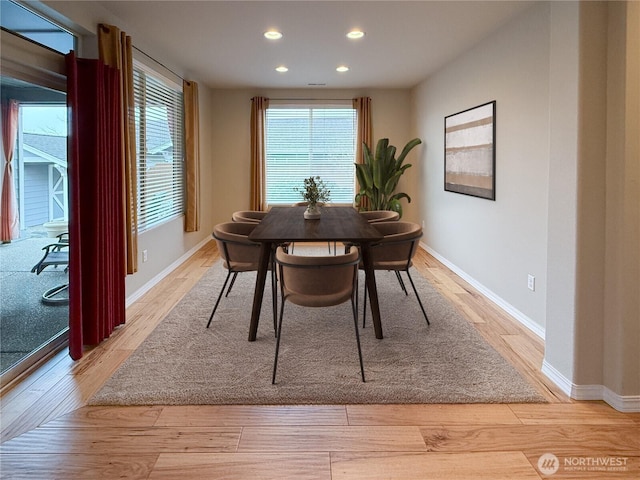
{"x":153,"y":217}
{"x":314,"y":105}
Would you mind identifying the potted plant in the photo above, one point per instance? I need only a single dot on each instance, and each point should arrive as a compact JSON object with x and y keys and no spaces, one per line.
{"x":314,"y":193}
{"x":378,"y":177}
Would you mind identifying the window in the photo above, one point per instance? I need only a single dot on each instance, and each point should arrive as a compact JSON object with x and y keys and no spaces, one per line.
{"x":159,"y":145}
{"x":303,"y":141}
{"x":21,"y":21}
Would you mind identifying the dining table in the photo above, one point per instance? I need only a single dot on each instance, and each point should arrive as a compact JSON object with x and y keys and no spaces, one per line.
{"x":286,"y":224}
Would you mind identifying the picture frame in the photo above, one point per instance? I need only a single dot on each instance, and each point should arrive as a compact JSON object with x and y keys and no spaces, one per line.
{"x":470,"y":151}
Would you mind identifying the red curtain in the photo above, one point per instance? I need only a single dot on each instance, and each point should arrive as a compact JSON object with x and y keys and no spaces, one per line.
{"x":9,"y":226}
{"x":96,"y":223}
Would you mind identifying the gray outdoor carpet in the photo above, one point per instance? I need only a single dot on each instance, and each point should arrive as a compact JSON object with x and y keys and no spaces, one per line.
{"x":182,"y":362}
{"x":25,"y":322}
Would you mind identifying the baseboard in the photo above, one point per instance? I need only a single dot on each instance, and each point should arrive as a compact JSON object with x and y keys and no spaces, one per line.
{"x":622,"y":403}
{"x":507,"y":307}
{"x":135,"y":296}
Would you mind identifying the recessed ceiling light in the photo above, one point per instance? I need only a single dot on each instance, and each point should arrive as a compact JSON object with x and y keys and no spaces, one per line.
{"x":353,"y":34}
{"x":342,"y":68}
{"x":273,"y":35}
{"x":282,"y":69}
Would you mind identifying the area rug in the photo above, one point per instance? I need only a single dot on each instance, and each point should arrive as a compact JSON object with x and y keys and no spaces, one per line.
{"x":183,"y":362}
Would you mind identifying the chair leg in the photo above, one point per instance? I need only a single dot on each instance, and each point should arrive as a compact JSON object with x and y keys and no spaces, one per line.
{"x":274,"y":301}
{"x":399,"y":277}
{"x":219,"y":297}
{"x":354,"y":308}
{"x":418,"y":297}
{"x":233,"y":280}
{"x":364,"y":306}
{"x":279,"y":335}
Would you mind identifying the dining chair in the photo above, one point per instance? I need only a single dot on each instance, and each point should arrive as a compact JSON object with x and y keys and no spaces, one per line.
{"x":248,"y":216}
{"x":239,"y":254}
{"x":395,"y":252}
{"x":321,"y":281}
{"x":375,"y":216}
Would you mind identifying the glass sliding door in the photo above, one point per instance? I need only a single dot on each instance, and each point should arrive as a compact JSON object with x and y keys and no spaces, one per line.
{"x":31,"y":324}
{"x":33,"y":319}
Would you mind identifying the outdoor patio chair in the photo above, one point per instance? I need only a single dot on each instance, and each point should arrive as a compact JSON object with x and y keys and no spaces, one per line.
{"x":55,"y":255}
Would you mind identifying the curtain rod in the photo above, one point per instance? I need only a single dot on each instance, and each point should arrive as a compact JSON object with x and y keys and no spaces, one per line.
{"x":311,"y":99}
{"x":159,"y":63}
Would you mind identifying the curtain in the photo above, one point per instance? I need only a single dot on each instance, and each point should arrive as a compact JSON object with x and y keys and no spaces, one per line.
{"x":192,"y":155}
{"x":9,"y":225}
{"x":259,"y":106}
{"x":362,"y":105}
{"x":96,"y":193}
{"x":115,"y":50}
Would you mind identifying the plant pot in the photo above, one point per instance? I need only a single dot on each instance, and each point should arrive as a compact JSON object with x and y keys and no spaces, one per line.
{"x":312,"y":212}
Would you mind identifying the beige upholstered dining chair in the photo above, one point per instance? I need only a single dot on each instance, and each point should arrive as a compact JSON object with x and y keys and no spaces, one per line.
{"x":248,"y":216}
{"x":317,"y":282}
{"x":239,"y":254}
{"x":395,"y":252}
{"x":375,"y":216}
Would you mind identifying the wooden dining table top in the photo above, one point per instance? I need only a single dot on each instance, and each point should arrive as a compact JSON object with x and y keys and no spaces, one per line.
{"x":335,"y":224}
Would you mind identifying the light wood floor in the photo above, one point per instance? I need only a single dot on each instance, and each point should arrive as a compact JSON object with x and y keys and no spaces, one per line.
{"x":49,"y":432}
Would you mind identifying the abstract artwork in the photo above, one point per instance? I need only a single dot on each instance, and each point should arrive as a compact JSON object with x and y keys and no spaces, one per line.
{"x":470,"y":153}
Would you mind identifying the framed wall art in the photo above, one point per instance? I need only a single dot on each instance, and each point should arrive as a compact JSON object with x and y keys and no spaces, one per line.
{"x":470,"y":151}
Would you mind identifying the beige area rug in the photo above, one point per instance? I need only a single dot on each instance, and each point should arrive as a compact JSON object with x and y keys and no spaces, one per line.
{"x":182,"y":362}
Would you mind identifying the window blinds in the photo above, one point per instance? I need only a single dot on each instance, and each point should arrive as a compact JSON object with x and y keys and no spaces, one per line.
{"x":310,"y":141}
{"x":160,"y":152}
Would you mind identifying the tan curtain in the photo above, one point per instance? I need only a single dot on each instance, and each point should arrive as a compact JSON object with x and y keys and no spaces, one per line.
{"x":192,"y":155}
{"x":115,"y":50}
{"x":362,"y":105}
{"x":259,"y":107}
{"x":9,"y":224}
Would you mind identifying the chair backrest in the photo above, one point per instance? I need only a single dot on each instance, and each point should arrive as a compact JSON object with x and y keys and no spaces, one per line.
{"x":317,"y":281}
{"x":398,"y":245}
{"x":248,"y":216}
{"x":375,"y":216}
{"x":237,"y":251}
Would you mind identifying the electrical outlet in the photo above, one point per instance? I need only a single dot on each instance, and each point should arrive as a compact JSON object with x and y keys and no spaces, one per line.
{"x":144,"y":256}
{"x":531,"y":282}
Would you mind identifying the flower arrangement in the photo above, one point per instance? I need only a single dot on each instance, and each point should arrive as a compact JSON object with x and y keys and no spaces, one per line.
{"x":314,"y":191}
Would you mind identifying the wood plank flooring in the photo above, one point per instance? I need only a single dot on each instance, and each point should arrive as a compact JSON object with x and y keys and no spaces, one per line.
{"x":48,"y":431}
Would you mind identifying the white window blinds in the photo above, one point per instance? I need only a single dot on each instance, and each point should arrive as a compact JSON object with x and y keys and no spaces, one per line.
{"x":159,"y":144}
{"x":310,"y":141}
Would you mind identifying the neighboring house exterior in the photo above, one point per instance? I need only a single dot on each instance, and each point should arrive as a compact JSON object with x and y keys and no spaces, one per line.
{"x":42,"y":179}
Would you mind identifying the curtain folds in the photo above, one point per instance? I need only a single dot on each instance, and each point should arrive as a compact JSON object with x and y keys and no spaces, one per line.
{"x":96,"y":192}
{"x":259,"y":107}
{"x":9,"y":224}
{"x":192,"y":155}
{"x":362,"y":105}
{"x":116,"y":51}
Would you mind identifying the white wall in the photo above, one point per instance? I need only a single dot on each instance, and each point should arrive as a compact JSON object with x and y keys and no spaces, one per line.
{"x":496,"y":243}
{"x":565,"y":78}
{"x":230,"y":135}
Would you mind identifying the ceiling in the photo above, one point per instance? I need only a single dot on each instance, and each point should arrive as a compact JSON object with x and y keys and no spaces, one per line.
{"x":221,"y":43}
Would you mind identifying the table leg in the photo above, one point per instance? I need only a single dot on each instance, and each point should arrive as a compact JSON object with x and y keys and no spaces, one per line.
{"x":372,"y":289}
{"x":261,"y":277}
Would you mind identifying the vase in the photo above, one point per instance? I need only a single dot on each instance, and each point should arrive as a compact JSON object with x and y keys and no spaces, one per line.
{"x":312,"y":212}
